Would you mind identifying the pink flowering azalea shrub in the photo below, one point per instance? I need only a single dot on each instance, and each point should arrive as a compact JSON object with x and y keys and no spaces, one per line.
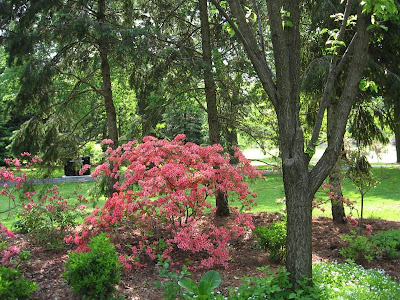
{"x":49,"y":218}
{"x":161,"y":190}
{"x":13,"y":177}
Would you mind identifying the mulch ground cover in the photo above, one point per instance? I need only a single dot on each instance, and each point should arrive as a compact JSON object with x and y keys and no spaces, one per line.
{"x":46,"y":267}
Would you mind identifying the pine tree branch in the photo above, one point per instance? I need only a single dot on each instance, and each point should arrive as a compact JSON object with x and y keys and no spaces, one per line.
{"x":84,"y":81}
{"x":83,"y":118}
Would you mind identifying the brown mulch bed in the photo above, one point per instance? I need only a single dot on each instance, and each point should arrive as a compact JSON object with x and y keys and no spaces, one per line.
{"x":46,"y":267}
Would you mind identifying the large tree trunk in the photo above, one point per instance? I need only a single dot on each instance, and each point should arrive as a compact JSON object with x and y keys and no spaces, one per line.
{"x":397,"y":129}
{"x":298,"y":205}
{"x":105,"y":73}
{"x":107,"y":92}
{"x":338,"y":214}
{"x":211,"y":98}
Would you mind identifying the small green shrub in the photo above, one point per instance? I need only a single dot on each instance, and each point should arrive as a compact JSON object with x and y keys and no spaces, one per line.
{"x":273,"y":239}
{"x":273,"y":287}
{"x":352,"y":282}
{"x":359,"y":249}
{"x":94,"y":274}
{"x":13,"y":286}
{"x":389,"y":242}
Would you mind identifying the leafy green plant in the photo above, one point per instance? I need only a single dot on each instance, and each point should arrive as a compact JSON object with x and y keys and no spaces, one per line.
{"x":352,"y":282}
{"x":359,"y":249}
{"x":273,"y":239}
{"x":205,"y":289}
{"x":177,"y":286}
{"x":94,"y":274}
{"x":389,"y":242}
{"x":273,"y":287}
{"x":13,"y":286}
{"x":169,"y":280}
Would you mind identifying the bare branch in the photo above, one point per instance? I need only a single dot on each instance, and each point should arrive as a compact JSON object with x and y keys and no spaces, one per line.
{"x":246,"y":36}
{"x":333,"y":72}
{"x":260,"y":31}
{"x":356,"y":68}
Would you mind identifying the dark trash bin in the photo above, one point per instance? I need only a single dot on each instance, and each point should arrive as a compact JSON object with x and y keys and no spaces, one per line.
{"x":72,"y":166}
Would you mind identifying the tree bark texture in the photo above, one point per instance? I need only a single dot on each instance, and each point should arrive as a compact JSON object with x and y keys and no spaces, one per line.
{"x":107,"y":90}
{"x":106,"y":76}
{"x":338,"y":214}
{"x":211,"y":98}
{"x":397,"y":129}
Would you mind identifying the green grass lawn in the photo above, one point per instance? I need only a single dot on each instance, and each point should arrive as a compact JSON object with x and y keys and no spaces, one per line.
{"x":381,"y":202}
{"x":69,"y":191}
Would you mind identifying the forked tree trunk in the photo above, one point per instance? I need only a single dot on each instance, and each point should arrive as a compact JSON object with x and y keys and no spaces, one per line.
{"x":211,"y":98}
{"x":283,"y":90}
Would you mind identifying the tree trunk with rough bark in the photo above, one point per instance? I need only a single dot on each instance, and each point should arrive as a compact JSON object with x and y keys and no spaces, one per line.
{"x":338,"y":214}
{"x":107,"y":90}
{"x":211,"y":98}
{"x":397,"y":129}
{"x":106,"y":77}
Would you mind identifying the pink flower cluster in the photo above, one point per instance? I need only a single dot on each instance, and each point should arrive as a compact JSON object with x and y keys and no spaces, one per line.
{"x":8,"y":254}
{"x":164,"y":185}
{"x":7,"y":232}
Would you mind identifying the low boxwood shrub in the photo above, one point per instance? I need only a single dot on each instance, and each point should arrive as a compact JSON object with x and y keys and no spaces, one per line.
{"x":352,"y":282}
{"x":389,"y":242}
{"x":273,"y":239}
{"x":13,"y":286}
{"x":94,"y":274}
{"x":359,"y":249}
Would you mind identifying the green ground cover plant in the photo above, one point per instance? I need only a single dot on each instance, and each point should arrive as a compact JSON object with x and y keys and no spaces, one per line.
{"x":352,"y":282}
{"x":360,"y":248}
{"x":389,"y":242}
{"x":331,"y":281}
